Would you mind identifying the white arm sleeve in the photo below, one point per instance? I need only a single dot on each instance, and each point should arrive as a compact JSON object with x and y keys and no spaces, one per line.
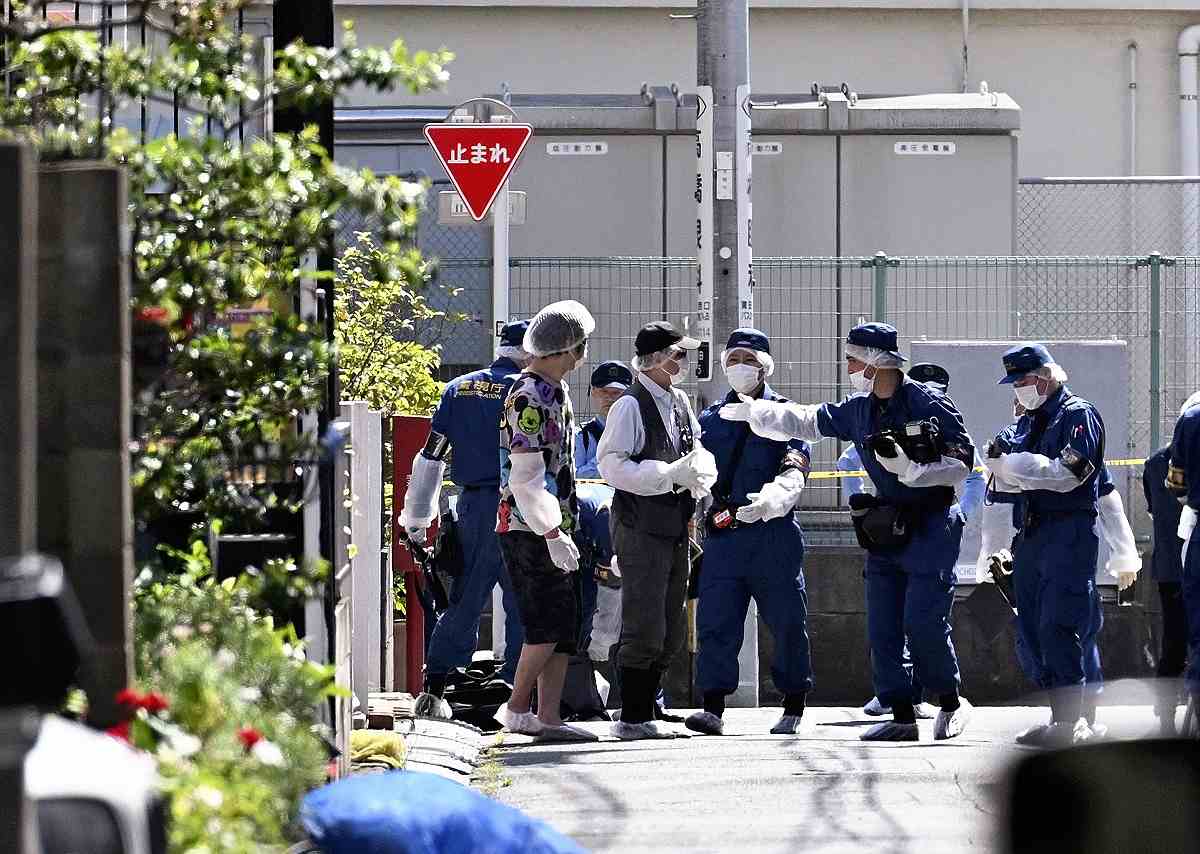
{"x":1114,"y":527}
{"x":947,"y":472}
{"x":784,"y":421}
{"x":527,"y":480}
{"x":1034,"y":471}
{"x":623,"y":437}
{"x":424,"y":488}
{"x":784,"y":492}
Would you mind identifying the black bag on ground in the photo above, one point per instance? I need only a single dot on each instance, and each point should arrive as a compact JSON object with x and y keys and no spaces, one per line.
{"x":581,"y":700}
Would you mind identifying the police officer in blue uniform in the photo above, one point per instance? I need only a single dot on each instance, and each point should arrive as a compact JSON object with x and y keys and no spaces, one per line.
{"x":466,"y":422}
{"x":915,"y":449}
{"x":610,"y":380}
{"x":1183,"y":479}
{"x":753,"y":546}
{"x":1166,"y":568}
{"x":1055,"y":460}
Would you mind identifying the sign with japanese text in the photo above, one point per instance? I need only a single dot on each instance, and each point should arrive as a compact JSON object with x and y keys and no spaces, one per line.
{"x":478,"y":158}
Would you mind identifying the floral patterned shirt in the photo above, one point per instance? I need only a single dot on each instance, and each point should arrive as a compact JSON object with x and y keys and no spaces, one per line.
{"x":538,"y":416}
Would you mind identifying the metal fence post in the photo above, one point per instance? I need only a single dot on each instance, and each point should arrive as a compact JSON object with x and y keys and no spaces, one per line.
{"x":880,"y":263}
{"x":1156,"y":262}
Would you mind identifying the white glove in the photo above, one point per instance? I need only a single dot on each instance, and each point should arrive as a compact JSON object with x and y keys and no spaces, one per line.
{"x":415,"y":530}
{"x":773,"y":419}
{"x":563,"y":552}
{"x":898,"y":464}
{"x":1125,"y":580}
{"x":695,"y":471}
{"x":615,"y":567}
{"x":771,"y":502}
{"x":738,"y":411}
{"x":1187,"y":523}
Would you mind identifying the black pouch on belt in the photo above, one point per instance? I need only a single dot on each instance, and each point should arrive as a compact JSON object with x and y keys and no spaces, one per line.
{"x":879,"y":527}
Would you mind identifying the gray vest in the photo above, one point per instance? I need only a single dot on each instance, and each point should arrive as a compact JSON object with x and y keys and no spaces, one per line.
{"x":668,"y":514}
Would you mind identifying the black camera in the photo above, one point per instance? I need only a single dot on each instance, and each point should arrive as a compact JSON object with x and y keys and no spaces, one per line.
{"x":918,"y":439}
{"x":998,"y":446}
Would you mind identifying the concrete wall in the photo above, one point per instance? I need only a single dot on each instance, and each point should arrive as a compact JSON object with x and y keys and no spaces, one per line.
{"x":1066,"y":68}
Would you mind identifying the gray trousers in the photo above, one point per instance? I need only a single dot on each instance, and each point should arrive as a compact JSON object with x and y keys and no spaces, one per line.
{"x":654,"y":577}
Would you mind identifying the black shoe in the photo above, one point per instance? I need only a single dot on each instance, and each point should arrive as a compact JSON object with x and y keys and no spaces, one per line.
{"x":661,"y":714}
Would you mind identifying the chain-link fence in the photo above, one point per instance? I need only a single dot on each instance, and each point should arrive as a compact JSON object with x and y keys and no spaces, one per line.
{"x":1107,"y":216}
{"x":807,"y":304}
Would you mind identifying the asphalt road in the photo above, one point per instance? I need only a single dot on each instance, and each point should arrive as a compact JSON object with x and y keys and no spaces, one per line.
{"x":822,"y":790}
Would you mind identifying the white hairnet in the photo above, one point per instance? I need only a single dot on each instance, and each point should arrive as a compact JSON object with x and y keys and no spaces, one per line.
{"x":764,"y":359}
{"x":557,"y":328}
{"x":1190,"y":402}
{"x":874,"y":356}
{"x":508,"y":351}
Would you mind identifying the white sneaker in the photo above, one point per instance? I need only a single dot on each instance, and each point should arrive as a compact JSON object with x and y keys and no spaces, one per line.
{"x":876,"y":709}
{"x":522,"y":723}
{"x":635,"y":732}
{"x":951,"y":724}
{"x":925,"y":711}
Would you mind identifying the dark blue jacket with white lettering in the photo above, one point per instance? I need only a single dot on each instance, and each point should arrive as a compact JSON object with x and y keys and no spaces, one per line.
{"x":862,"y":415}
{"x":469,"y":416}
{"x":1069,"y":422}
{"x":762,"y":459}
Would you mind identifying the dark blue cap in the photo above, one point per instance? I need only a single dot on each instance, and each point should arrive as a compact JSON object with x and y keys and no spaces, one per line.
{"x":1020,"y":360}
{"x":513,"y":334}
{"x":881,"y":336}
{"x":750,"y":339}
{"x":930,"y":374}
{"x":607,"y":373}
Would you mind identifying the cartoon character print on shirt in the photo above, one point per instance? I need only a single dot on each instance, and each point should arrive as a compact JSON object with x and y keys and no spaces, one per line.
{"x":538,"y":417}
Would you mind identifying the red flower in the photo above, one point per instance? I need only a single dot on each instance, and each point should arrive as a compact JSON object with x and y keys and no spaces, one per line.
{"x":154,"y":702}
{"x":129,"y":698}
{"x":120,"y":731}
{"x":249,"y":737}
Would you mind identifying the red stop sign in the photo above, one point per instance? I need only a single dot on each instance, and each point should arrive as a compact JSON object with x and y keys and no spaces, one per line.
{"x":478,"y":158}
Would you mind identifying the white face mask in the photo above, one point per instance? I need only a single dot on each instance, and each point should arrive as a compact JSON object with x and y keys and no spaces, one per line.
{"x":673,"y":370}
{"x":1029,"y":396}
{"x":861,"y":383}
{"x":743,"y":378}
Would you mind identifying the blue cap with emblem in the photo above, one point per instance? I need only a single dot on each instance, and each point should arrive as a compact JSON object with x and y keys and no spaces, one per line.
{"x":930,"y":374}
{"x":1023,"y":359}
{"x":512,"y":334}
{"x":612,"y":375}
{"x":754,"y":340}
{"x":876,"y":336}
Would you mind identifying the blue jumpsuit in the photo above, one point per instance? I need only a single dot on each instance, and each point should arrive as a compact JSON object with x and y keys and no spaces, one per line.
{"x":595,"y":505}
{"x":909,"y":590}
{"x":1185,"y":455}
{"x":469,"y":416}
{"x":1054,"y":562}
{"x":586,"y":442}
{"x":764,"y":560}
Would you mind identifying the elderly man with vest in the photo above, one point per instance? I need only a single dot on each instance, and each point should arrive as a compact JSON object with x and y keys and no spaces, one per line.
{"x":753,"y":547}
{"x":650,"y":455}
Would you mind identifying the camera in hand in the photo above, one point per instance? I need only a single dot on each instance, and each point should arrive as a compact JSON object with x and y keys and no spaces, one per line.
{"x":996,"y":447}
{"x":918,"y":439}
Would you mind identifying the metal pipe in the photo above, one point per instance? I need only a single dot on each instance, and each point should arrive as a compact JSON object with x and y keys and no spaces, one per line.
{"x":1189,"y":145}
{"x":966,"y":36}
{"x":1133,"y":53}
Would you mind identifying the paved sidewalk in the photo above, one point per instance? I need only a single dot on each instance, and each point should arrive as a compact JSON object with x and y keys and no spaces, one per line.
{"x":823,"y":790}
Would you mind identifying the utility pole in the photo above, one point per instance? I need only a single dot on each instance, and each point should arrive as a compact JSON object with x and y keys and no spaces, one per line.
{"x":724,"y":219}
{"x":723,"y":67}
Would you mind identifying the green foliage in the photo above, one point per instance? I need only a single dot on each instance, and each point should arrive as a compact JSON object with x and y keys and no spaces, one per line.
{"x":217,"y":225}
{"x":228,"y":677}
{"x":380,"y":314}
